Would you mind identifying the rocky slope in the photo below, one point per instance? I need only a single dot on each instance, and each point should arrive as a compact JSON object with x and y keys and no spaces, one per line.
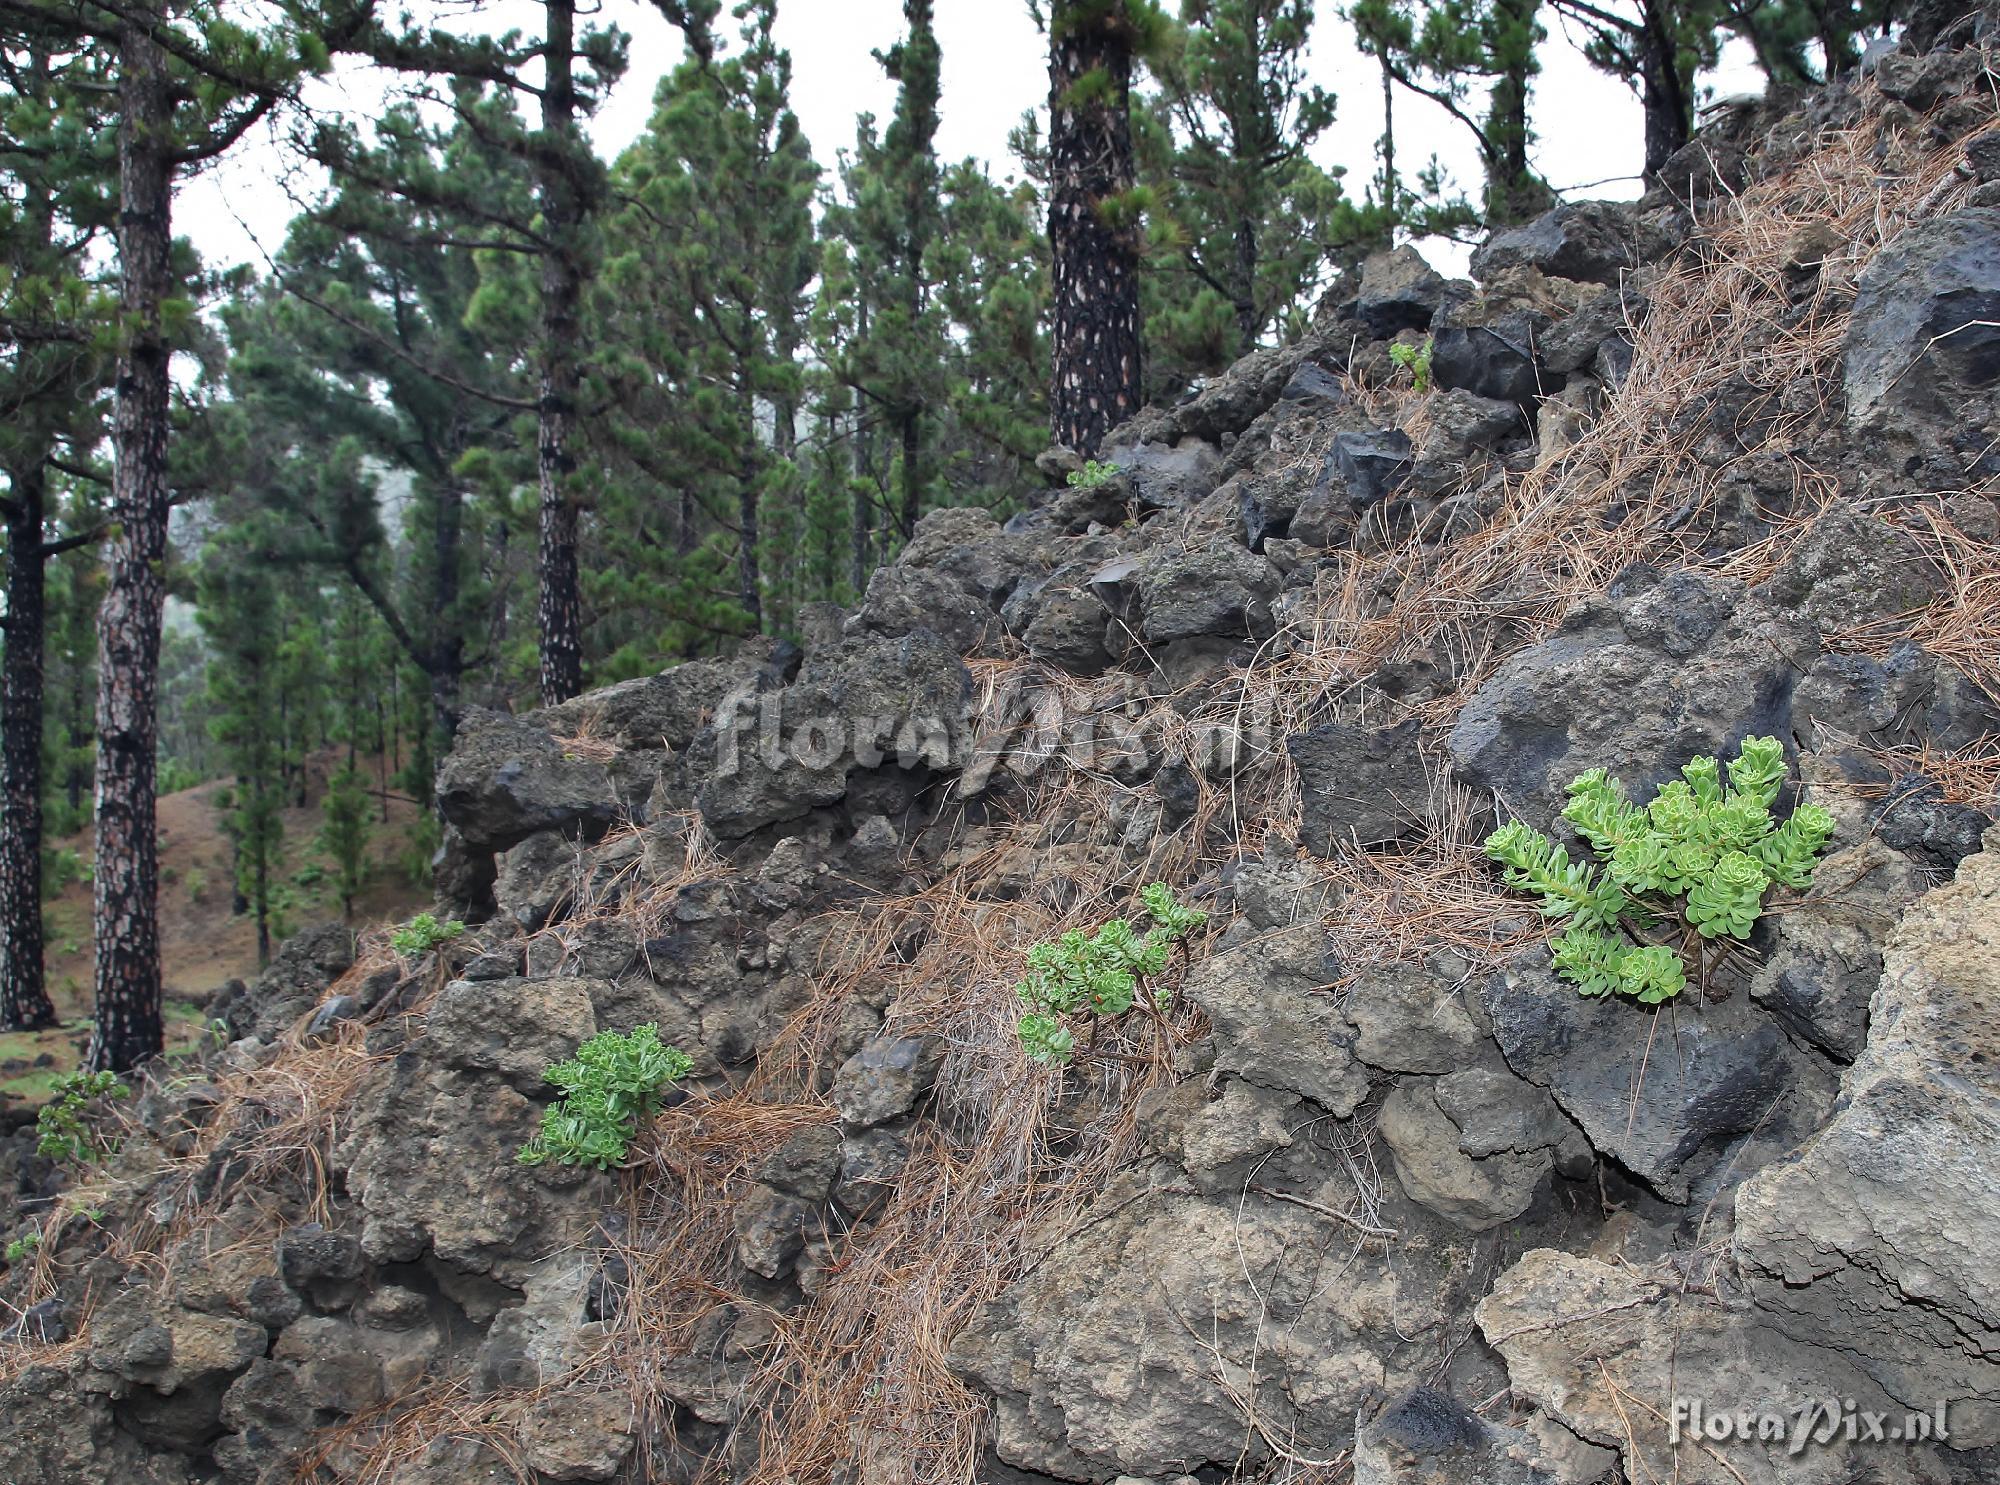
{"x":1377,"y":1198}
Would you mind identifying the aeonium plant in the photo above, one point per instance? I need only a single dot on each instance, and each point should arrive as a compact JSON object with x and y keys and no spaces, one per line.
{"x":1691,"y":866}
{"x":1101,"y":975}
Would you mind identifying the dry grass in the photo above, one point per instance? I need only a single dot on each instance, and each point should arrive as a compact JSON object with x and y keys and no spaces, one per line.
{"x":1961,"y":625}
{"x":263,"y":1156}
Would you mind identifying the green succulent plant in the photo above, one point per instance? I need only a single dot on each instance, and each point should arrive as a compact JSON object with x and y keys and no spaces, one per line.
{"x":1701,"y":855}
{"x":1094,"y":473}
{"x":613,"y":1084}
{"x":1100,"y":975}
{"x":422,"y":934}
{"x":1415,"y":359}
{"x":61,"y":1131}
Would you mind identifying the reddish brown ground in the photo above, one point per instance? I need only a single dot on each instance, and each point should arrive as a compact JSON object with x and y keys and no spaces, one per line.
{"x":203,"y":945}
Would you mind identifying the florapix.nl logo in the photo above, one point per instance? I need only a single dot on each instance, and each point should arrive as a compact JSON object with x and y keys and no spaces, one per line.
{"x":1800,"y":1426}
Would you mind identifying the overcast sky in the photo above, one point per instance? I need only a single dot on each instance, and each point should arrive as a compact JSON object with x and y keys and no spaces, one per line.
{"x":995,"y":67}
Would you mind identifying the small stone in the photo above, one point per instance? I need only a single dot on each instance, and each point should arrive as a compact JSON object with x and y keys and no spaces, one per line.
{"x":1476,"y":1194}
{"x":885,"y":1079}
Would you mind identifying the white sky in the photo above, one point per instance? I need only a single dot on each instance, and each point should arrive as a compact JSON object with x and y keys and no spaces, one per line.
{"x":995,"y":67}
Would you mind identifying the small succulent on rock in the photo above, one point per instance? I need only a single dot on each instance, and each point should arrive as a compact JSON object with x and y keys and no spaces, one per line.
{"x":1415,"y":359}
{"x":1701,"y":854}
{"x":613,"y":1084}
{"x":1101,"y":975}
{"x":422,"y":934}
{"x":1093,"y":474}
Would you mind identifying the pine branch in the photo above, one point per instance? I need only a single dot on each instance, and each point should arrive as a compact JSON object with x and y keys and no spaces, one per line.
{"x":375,"y":337}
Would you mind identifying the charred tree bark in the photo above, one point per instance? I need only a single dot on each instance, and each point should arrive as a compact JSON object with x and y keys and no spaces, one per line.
{"x":912,"y":474}
{"x":749,"y":578}
{"x":125,"y":909}
{"x":1666,"y":91}
{"x":1243,"y":282}
{"x":561,"y":602}
{"x":863,"y":512}
{"x":1096,"y":346}
{"x":24,"y":999}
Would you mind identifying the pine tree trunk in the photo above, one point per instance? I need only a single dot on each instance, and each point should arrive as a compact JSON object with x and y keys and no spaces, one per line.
{"x":561,"y":606}
{"x":125,"y":910}
{"x":24,"y":1001}
{"x":1513,"y":194}
{"x":1665,"y":93}
{"x":1095,"y":347}
{"x":263,"y":901}
{"x":1243,"y":285}
{"x":749,"y":581}
{"x":1390,"y":190}
{"x":684,"y":521}
{"x":862,"y":508}
{"x":75,"y":730}
{"x":499,"y":585}
{"x":445,"y":667}
{"x":912,"y":474}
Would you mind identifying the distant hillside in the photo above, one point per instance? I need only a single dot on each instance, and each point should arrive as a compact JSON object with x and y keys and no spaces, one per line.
{"x":203,"y":944}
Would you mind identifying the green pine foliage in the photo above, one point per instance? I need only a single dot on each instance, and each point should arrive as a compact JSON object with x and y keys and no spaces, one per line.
{"x":1101,"y":975}
{"x":613,"y":1085}
{"x":1695,"y":863}
{"x":1242,"y":226}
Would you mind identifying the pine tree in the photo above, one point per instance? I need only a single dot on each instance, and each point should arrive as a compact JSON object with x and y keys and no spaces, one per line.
{"x":189,"y":84}
{"x":344,"y":834}
{"x":993,"y":286}
{"x":896,"y":359}
{"x":384,"y":352}
{"x":69,"y":653}
{"x":559,"y":234}
{"x":242,"y":616}
{"x":1457,"y":45}
{"x":55,"y":329}
{"x":1656,"y":47}
{"x":1784,"y":34}
{"x":705,"y":295}
{"x":1242,"y":218}
{"x":1094,"y":236}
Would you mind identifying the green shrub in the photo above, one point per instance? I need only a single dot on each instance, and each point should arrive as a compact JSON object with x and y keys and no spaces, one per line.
{"x":197,"y":884}
{"x":1092,"y":475}
{"x":1102,"y":975}
{"x":610,"y":1087}
{"x":422,"y":934}
{"x":60,"y":1130}
{"x":22,"y":1247}
{"x":62,"y":865}
{"x":1415,"y":359}
{"x":1692,"y":865}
